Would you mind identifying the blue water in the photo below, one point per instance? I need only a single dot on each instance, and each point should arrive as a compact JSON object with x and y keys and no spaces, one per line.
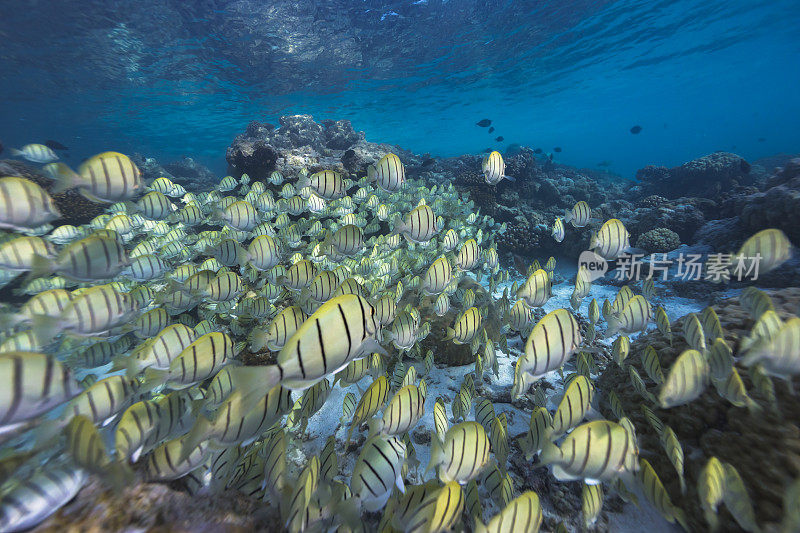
{"x":174,"y":78}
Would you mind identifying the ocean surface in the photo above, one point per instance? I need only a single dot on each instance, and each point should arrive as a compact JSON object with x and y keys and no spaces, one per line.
{"x":179,"y":78}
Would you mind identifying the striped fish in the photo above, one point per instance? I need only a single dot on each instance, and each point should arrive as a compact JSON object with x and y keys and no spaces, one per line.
{"x":162,"y":463}
{"x":418,"y":226}
{"x":657,"y":495}
{"x":93,"y":258}
{"x":299,"y":275}
{"x":241,"y":216}
{"x":234,"y":424}
{"x":765,"y":251}
{"x":639,"y":385}
{"x":373,"y":399}
{"x":31,"y":384}
{"x":523,"y":514}
{"x":275,"y":463}
{"x":611,"y":241}
{"x":377,"y":471}
{"x":462,"y":455}
{"x":146,"y":268}
{"x":720,"y":359}
{"x":539,"y":431}
{"x":558,"y":230}
{"x":347,"y":240}
{"x":574,"y":405}
{"x":468,"y":256}
{"x":439,"y":510}
{"x":104,"y":400}
{"x":93,"y":312}
{"x":591,"y":503}
{"x":594,"y":451}
{"x":450,"y":240}
{"x":159,"y":351}
{"x":146,"y":424}
{"x":108,"y":177}
{"x":765,"y":328}
{"x":536,"y":290}
{"x":674,"y":450}
{"x":155,"y":206}
{"x":778,"y":355}
{"x":693,"y":332}
{"x":328,"y":184}
{"x":197,"y":362}
{"x":652,"y":365}
{"x":686,"y":381}
{"x":36,"y":153}
{"x":620,"y":349}
{"x":465,"y":327}
{"x":438,"y":276}
{"x":282,"y":327}
{"x":634,"y":317}
{"x":737,"y":501}
{"x":498,"y":438}
{"x":17,"y":254}
{"x":37,"y":497}
{"x":519,"y":318}
{"x":494,"y":168}
{"x":553,"y":340}
{"x":579,"y":215}
{"x":263,"y":253}
{"x":662,"y":323}
{"x":711,"y":490}
{"x":389,"y":173}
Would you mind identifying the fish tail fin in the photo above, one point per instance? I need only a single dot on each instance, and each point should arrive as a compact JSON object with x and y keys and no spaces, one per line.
{"x":304,"y":181}
{"x":198,"y":433}
{"x":399,"y":225}
{"x":117,"y":475}
{"x":126,"y":363}
{"x":479,"y":527}
{"x":65,"y":177}
{"x":46,"y":327}
{"x":44,"y":434}
{"x":509,"y":178}
{"x":131,"y":208}
{"x":16,"y":153}
{"x":253,"y":382}
{"x":450,"y":334}
{"x":9,"y":321}
{"x":567,"y":216}
{"x":41,"y":266}
{"x":155,"y":376}
{"x":437,"y":454}
{"x":375,"y":425}
{"x":242,"y":255}
{"x":550,"y":453}
{"x":258,"y":339}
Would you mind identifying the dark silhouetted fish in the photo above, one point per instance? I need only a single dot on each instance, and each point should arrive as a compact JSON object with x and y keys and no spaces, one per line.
{"x":499,"y":139}
{"x":604,"y":163}
{"x":1,"y":148}
{"x":484,"y":123}
{"x":761,"y":139}
{"x":487,"y":150}
{"x":55,"y":145}
{"x":427,"y":162}
{"x":491,"y":129}
{"x":636,"y":129}
{"x":557,"y":149}
{"x":513,"y":149}
{"x":538,"y":151}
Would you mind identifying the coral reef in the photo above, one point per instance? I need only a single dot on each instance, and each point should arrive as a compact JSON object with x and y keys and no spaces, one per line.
{"x":704,"y":177}
{"x":300,"y":142}
{"x":764,"y":446}
{"x":659,"y":240}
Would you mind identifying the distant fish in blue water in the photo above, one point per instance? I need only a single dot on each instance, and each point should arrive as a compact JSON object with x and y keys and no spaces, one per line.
{"x":1,"y":148}
{"x":760,"y":139}
{"x":636,"y":129}
{"x":487,"y":150}
{"x":604,"y":163}
{"x":513,"y":149}
{"x":55,"y":145}
{"x":499,"y":139}
{"x":557,"y":149}
{"x":538,"y":151}
{"x":491,"y":129}
{"x":483,"y":123}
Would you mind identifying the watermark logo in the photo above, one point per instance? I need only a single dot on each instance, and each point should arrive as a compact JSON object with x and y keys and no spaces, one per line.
{"x":685,"y":267}
{"x":595,"y":266}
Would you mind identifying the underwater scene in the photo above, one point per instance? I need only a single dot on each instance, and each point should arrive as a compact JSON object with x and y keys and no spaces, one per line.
{"x":399,"y":266}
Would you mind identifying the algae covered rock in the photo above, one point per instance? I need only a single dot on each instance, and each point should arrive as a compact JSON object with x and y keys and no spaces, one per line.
{"x":659,"y":240}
